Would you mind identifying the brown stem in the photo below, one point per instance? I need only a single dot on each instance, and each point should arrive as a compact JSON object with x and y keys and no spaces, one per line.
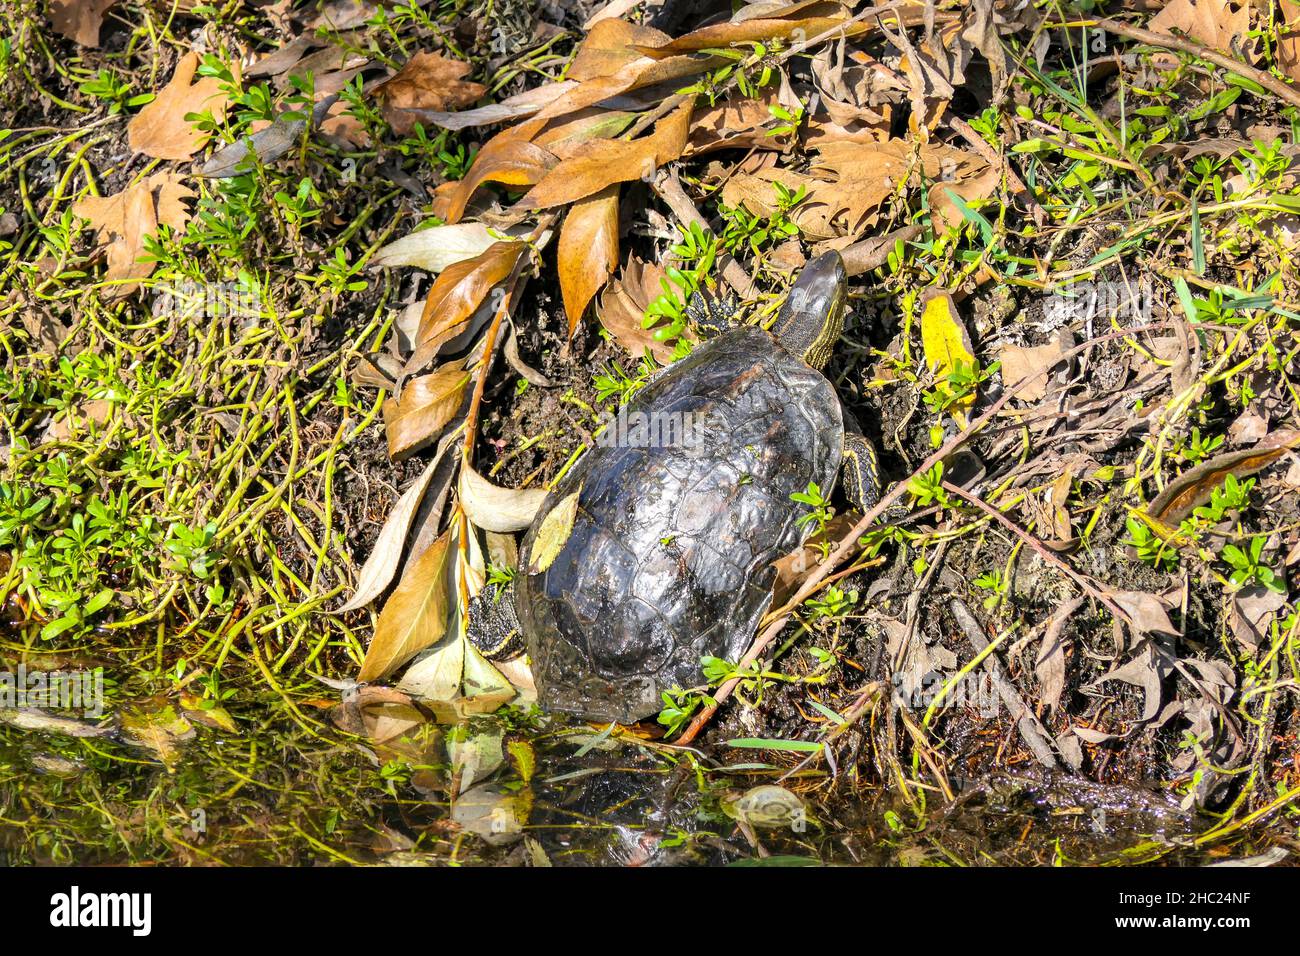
{"x":1040,"y":549}
{"x":1101,"y":593}
{"x":999,"y":161}
{"x":513,"y":285}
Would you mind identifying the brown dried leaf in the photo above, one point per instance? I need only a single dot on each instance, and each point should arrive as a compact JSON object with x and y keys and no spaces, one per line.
{"x":565,"y":137}
{"x":1019,"y":361}
{"x":1148,"y":612}
{"x":289,"y":54}
{"x":608,"y":48}
{"x":386,"y":554}
{"x":623,"y":305}
{"x":793,"y":569}
{"x":512,"y":108}
{"x":1251,"y":612}
{"x":77,"y":418}
{"x":414,"y":618}
{"x":428,"y":81}
{"x":125,"y":219}
{"x":79,"y":20}
{"x":1194,"y":487}
{"x":426,"y":405}
{"x":736,"y":121}
{"x":340,"y":125}
{"x":1049,"y":666}
{"x":268,"y":144}
{"x":1288,"y":44}
{"x":978,"y":181}
{"x":457,"y":294}
{"x":850,"y":181}
{"x":1145,"y":671}
{"x":1221,"y":24}
{"x":639,"y":74}
{"x":588,"y":253}
{"x":1060,"y":493}
{"x":509,"y":158}
{"x":602,"y":163}
{"x":758,"y":30}
{"x":160,"y":128}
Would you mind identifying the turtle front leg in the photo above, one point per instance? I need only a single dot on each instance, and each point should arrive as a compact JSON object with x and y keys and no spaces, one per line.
{"x":710,"y":315}
{"x":859,"y":471}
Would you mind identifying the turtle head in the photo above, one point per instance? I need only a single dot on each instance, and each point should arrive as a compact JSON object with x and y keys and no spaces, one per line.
{"x":812,"y":318}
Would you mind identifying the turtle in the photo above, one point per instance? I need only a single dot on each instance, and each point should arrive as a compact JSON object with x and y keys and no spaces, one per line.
{"x":658,"y":547}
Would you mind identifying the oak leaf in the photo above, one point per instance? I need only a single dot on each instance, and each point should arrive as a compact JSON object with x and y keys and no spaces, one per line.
{"x":623,"y":305}
{"x":79,"y":20}
{"x":428,"y":81}
{"x":1220,"y":24}
{"x":124,"y":220}
{"x":160,"y":129}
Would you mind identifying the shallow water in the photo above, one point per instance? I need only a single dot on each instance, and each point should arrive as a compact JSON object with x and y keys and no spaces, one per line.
{"x":292,"y":788}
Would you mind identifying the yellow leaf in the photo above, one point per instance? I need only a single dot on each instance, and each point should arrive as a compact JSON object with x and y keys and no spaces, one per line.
{"x":947,"y":344}
{"x":414,"y":618}
{"x":552,"y":534}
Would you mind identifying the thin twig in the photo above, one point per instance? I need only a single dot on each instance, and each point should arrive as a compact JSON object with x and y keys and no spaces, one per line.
{"x":1151,"y":38}
{"x":1091,"y":586}
{"x":1031,"y":729}
{"x":1103,"y":594}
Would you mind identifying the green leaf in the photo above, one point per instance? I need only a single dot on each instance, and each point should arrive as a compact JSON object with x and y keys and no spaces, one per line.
{"x":98,"y":602}
{"x":1185,"y":298}
{"x":1198,"y":245}
{"x":761,"y":743}
{"x":56,"y":627}
{"x":971,"y":215}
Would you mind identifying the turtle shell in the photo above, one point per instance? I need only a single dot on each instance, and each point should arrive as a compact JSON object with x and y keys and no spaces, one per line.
{"x":680,"y":514}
